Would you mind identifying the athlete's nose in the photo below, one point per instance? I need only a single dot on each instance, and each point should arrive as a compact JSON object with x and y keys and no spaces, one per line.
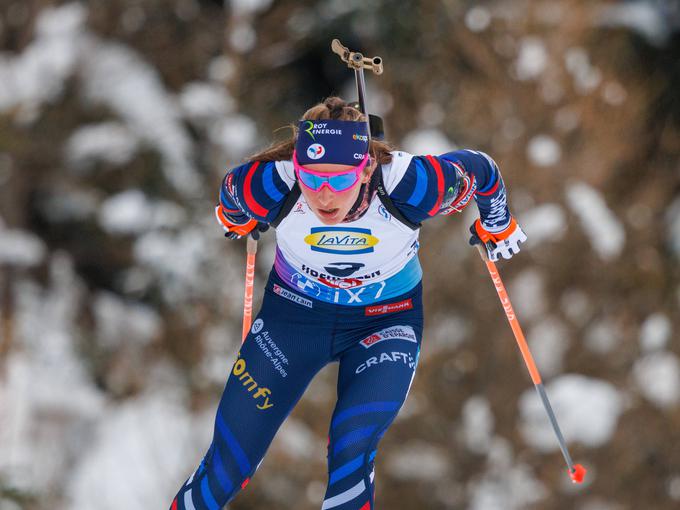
{"x":325,"y":197}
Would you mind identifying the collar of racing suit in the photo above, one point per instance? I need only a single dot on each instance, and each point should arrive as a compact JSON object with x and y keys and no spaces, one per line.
{"x":366,"y":195}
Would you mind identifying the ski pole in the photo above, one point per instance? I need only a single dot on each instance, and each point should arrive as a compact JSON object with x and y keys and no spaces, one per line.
{"x":576,"y":471}
{"x":251,"y":250}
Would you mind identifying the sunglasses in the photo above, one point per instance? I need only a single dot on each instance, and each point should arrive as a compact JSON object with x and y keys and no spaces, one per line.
{"x":336,"y":181}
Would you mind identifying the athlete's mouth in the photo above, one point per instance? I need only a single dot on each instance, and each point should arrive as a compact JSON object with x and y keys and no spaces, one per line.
{"x":329,"y":212}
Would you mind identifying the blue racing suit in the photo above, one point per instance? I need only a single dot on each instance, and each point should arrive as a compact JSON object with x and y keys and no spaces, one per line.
{"x":328,"y":300}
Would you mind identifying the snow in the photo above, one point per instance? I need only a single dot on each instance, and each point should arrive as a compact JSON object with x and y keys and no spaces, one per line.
{"x":604,"y":230}
{"x":477,"y":424}
{"x":567,"y":119}
{"x":115,"y":76}
{"x":427,"y":141}
{"x":220,"y":344}
{"x":655,"y":332}
{"x":600,"y":504}
{"x":221,"y":69}
{"x":430,"y":115}
{"x":477,"y":19}
{"x":658,"y":378}
{"x":112,"y":75}
{"x":587,"y":411}
{"x":111,"y":142}
{"x":527,"y":294}
{"x":235,"y":134}
{"x":130,"y":212}
{"x":20,"y":248}
{"x":248,"y":7}
{"x":417,"y":460}
{"x":673,"y":487}
{"x":47,"y":391}
{"x":298,"y":441}
{"x":139,"y":455}
{"x":641,"y":17}
{"x":548,"y":341}
{"x":507,"y":484}
{"x":121,"y":323}
{"x":614,"y":93}
{"x":603,"y":335}
{"x":576,"y":305}
{"x":532,"y":59}
{"x":446,"y":333}
{"x":242,"y":38}
{"x":189,"y":263}
{"x":37,"y":75}
{"x":586,"y":77}
{"x":203,"y":100}
{"x":513,"y":490}
{"x":543,"y":150}
{"x":543,"y":224}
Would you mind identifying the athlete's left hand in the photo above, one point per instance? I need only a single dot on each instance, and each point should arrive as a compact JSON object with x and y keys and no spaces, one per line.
{"x":505,"y":243}
{"x":236,"y":231}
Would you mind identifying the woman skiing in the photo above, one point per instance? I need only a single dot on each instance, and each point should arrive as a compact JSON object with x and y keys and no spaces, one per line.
{"x":345,"y":287}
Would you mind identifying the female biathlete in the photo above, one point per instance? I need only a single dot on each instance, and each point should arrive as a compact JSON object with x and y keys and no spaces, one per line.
{"x":345,"y":287}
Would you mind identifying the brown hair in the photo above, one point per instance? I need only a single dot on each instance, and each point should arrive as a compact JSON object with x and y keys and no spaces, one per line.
{"x":333,"y":108}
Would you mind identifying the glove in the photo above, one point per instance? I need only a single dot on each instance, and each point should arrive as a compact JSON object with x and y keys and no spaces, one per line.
{"x":506,"y":242}
{"x":236,"y":231}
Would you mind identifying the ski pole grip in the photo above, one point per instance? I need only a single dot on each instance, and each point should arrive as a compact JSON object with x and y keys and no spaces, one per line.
{"x":482,"y":252}
{"x":251,"y":246}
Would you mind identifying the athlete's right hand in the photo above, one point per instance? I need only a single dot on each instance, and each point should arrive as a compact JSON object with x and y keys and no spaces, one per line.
{"x":236,"y":231}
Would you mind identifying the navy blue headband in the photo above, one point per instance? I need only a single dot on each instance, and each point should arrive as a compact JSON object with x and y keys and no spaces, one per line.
{"x":343,"y":142}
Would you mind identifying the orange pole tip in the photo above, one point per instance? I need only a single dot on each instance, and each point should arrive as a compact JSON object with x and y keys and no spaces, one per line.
{"x":577,"y":473}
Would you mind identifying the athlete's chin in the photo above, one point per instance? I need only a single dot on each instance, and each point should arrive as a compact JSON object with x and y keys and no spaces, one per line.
{"x":327,"y":221}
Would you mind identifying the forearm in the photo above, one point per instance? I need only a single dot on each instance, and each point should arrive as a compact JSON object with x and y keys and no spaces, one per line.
{"x":490,"y":194}
{"x":229,"y":205}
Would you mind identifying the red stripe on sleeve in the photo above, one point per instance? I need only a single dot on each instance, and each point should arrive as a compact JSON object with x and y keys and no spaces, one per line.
{"x":492,"y":190}
{"x":440,"y":185}
{"x":248,"y":193}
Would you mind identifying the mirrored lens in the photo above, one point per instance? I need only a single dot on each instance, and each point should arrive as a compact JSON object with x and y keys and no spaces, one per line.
{"x":339,"y":182}
{"x":310,"y":180}
{"x":343,"y":181}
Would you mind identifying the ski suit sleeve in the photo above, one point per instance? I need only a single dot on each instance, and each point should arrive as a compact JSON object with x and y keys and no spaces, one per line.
{"x":253,"y":191}
{"x":445,"y":184}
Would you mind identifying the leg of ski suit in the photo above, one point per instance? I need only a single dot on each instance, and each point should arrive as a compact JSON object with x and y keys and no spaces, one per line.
{"x":274,"y":367}
{"x":291,"y":339}
{"x":373,"y":383}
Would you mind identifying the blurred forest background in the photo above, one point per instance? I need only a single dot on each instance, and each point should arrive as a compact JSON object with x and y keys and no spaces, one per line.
{"x":120,"y":300}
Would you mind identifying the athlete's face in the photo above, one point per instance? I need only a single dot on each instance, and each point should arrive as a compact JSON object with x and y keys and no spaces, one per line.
{"x":331,"y":207}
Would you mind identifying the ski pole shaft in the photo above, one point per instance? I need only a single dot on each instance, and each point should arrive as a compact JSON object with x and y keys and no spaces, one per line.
{"x":251,"y":251}
{"x":576,"y":471}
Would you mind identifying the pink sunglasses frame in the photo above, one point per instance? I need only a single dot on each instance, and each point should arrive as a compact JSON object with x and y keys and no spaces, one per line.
{"x":356,"y":170}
